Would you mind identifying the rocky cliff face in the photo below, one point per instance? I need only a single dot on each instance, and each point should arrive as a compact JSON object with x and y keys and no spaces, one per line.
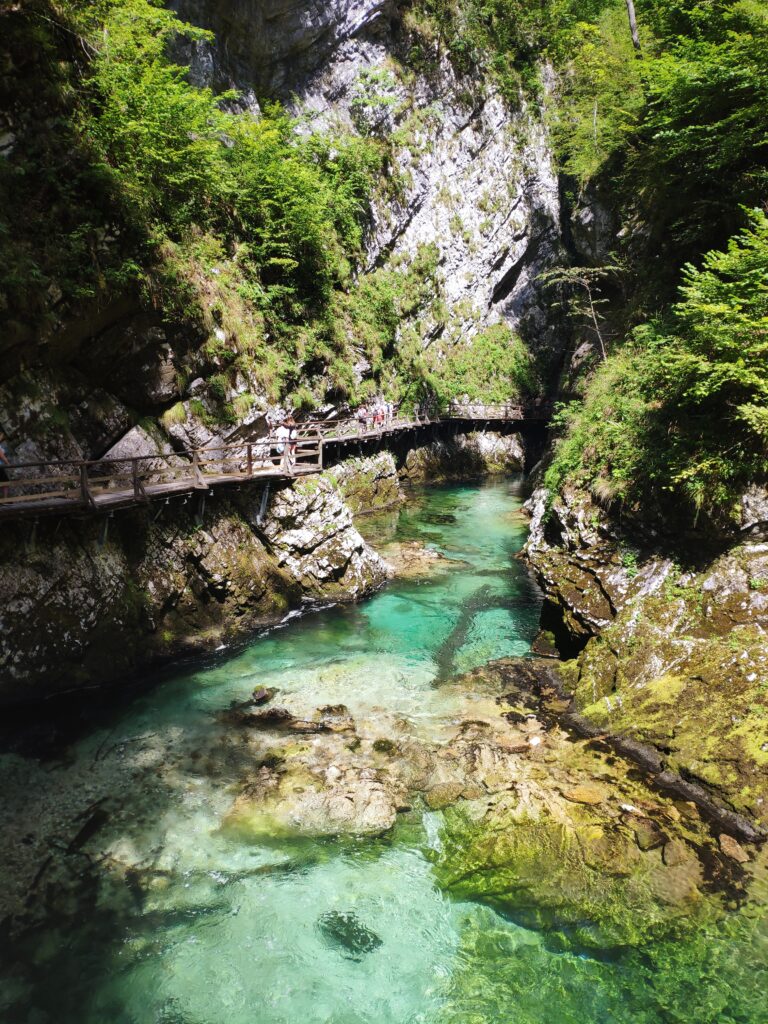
{"x":465,"y":457}
{"x":470,"y":199}
{"x":368,"y":484}
{"x":471,"y":191}
{"x":473,"y":180}
{"x":274,"y":45}
{"x":84,"y":603}
{"x":673,"y":658}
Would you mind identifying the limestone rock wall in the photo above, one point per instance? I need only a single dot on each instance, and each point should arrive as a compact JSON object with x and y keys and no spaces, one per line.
{"x":85,"y":602}
{"x":469,"y":177}
{"x":311,"y":532}
{"x":368,"y":484}
{"x":465,"y":457}
{"x":670,"y":657}
{"x":274,"y":45}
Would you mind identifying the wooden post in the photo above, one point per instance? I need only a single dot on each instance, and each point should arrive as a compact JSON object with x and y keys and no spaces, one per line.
{"x":198,"y":474}
{"x":85,"y":493}
{"x":135,"y":475}
{"x":250,"y":459}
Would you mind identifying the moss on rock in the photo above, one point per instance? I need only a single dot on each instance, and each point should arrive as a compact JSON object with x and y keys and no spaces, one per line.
{"x":368,"y":484}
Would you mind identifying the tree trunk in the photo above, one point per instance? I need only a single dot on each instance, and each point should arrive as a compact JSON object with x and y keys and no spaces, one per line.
{"x":633,"y":25}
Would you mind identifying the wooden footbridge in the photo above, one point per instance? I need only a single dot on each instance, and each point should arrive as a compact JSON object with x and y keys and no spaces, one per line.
{"x":36,"y":489}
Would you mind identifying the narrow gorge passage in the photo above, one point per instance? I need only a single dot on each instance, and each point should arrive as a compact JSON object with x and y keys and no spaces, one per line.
{"x":299,"y":855}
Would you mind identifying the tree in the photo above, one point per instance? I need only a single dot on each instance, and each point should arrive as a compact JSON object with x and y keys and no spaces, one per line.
{"x":633,"y":26}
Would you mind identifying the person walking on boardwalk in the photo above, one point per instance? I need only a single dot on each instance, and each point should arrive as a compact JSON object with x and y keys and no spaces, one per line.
{"x":282,"y":437}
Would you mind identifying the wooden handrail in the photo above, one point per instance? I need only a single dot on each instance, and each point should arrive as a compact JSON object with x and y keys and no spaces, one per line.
{"x":134,"y":479}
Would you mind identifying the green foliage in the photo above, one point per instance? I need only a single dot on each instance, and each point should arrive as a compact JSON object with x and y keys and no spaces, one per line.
{"x":629,"y":562}
{"x":371,"y":316}
{"x":600,"y":95}
{"x":505,"y":39}
{"x":157,"y":136}
{"x":681,"y":410}
{"x":678,"y":135}
{"x":373,"y":96}
{"x":147,"y":180}
{"x":492,"y":368}
{"x":180,"y":160}
{"x":702,"y":147}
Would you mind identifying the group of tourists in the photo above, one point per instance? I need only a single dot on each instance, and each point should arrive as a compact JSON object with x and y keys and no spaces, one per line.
{"x":375,"y":415}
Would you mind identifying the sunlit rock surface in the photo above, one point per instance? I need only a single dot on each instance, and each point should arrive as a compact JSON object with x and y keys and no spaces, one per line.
{"x":465,"y":456}
{"x":676,"y":658}
{"x":474,"y":179}
{"x":84,"y":600}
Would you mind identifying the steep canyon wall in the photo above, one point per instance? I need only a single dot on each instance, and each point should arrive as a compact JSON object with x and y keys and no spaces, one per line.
{"x":84,"y":600}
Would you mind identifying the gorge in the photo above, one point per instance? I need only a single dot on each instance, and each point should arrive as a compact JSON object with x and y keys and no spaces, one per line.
{"x":471,"y":725}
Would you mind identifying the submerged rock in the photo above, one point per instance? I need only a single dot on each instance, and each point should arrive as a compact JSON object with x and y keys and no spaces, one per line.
{"x":579,"y":875}
{"x":336,"y":800}
{"x":267,"y":718}
{"x":558,"y":835}
{"x":345,"y":930}
{"x":263,"y":695}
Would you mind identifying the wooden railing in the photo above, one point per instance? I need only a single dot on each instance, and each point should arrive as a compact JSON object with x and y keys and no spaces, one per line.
{"x":351,"y":427}
{"x":36,"y":488}
{"x":41,"y":487}
{"x":538,"y":409}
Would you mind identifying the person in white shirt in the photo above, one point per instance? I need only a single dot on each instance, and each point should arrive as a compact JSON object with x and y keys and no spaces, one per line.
{"x":282,"y":436}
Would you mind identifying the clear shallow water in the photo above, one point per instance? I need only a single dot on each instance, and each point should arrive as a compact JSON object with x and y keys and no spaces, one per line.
{"x":227,"y":931}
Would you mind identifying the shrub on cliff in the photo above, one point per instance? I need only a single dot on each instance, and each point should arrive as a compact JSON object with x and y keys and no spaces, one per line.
{"x":493,"y":367}
{"x":682,"y":410}
{"x":133,"y":168}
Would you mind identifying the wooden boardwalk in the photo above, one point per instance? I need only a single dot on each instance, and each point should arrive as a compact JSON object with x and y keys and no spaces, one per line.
{"x":37,"y":489}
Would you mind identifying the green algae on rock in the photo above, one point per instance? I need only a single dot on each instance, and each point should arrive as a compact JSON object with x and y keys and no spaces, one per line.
{"x":716,"y":975}
{"x":368,"y":484}
{"x":581,"y":874}
{"x":686,"y":670}
{"x":674,"y":659}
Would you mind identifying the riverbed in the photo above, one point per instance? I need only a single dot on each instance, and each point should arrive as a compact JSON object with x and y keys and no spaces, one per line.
{"x":178,"y":903}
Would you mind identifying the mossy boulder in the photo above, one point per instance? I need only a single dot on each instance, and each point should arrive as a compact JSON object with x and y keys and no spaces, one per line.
{"x":368,"y":484}
{"x":579,"y":874}
{"x":686,"y":670}
{"x":674,"y":659}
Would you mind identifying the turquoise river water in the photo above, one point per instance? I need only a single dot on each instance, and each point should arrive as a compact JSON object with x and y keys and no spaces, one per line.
{"x":231,"y":930}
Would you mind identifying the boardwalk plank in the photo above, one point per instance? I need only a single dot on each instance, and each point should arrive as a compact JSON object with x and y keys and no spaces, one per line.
{"x":89,"y":494}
